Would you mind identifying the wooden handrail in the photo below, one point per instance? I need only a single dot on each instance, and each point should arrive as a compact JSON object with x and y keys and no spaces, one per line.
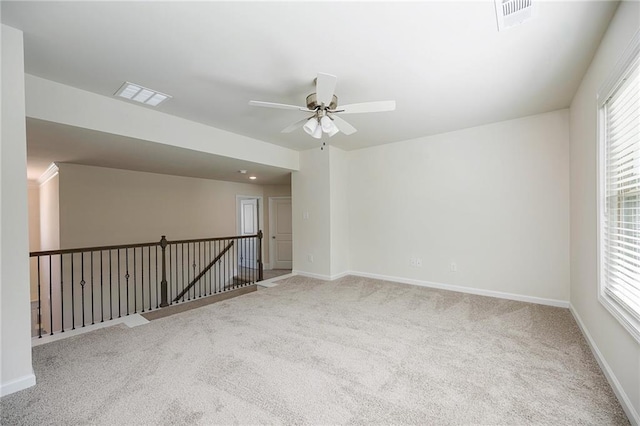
{"x":136,"y":245}
{"x":86,"y":249}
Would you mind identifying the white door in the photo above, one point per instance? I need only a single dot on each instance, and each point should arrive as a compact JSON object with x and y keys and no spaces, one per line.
{"x":281,"y":247}
{"x":248,"y":226}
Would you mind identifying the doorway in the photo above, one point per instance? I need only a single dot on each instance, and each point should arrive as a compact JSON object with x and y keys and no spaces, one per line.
{"x":280,"y":230}
{"x":249,"y":222}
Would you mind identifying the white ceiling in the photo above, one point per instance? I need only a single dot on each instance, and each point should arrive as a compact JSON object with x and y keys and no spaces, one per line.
{"x":444,"y":63}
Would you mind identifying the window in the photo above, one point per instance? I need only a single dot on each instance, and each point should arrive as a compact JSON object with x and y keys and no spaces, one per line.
{"x":619,"y":191}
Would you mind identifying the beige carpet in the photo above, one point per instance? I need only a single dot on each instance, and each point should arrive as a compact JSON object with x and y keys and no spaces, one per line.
{"x":352,"y":351}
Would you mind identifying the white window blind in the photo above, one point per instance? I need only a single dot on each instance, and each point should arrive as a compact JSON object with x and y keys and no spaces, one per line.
{"x":620,"y":227}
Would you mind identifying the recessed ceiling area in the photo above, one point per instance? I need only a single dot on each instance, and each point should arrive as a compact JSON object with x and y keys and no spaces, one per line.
{"x":444,"y":63}
{"x":68,"y":144}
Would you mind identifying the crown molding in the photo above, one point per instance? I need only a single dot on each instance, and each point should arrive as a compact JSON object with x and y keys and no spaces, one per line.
{"x":52,"y":171}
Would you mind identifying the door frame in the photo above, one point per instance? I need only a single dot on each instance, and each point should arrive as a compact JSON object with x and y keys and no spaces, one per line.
{"x":272,"y":244}
{"x":259,"y":214}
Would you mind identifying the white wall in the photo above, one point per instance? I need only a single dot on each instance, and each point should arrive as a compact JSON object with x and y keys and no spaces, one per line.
{"x":102,"y":206}
{"x":319,"y":189}
{"x":33,"y":206}
{"x":492,"y":199}
{"x":15,"y":342}
{"x":339,"y":210}
{"x":310,"y":195}
{"x":620,"y":352}
{"x":49,"y":208}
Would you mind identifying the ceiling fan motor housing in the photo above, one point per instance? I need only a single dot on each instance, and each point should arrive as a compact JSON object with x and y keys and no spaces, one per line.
{"x":312,"y":102}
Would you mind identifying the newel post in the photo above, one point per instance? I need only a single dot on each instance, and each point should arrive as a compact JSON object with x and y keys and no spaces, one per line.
{"x":260,"y":266}
{"x":163,"y":284}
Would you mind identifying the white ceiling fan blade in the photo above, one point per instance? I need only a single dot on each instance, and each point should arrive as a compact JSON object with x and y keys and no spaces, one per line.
{"x":295,"y":125}
{"x":275,"y":105}
{"x":325,"y":87}
{"x":342,"y":125}
{"x":379,"y":106}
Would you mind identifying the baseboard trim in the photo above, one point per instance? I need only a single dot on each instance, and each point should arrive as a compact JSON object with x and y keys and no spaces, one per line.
{"x":627,"y":406}
{"x":469,"y":290}
{"x":321,"y":276}
{"x":312,"y":275}
{"x":18,"y":384}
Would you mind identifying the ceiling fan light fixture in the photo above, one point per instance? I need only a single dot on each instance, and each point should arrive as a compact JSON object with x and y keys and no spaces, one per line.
{"x":327,"y":124}
{"x":326,"y":118}
{"x":317,"y":133}
{"x":311,"y":126}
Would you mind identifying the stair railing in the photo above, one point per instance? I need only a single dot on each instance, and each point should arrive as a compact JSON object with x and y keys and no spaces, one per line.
{"x":203,"y":272}
{"x":83,"y":286}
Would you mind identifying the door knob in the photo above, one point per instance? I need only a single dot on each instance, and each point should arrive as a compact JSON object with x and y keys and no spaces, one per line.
{"x":274,"y":237}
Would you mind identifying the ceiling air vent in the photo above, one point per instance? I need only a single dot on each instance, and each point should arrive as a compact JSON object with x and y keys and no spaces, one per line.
{"x":135,"y":92}
{"x":513,"y":12}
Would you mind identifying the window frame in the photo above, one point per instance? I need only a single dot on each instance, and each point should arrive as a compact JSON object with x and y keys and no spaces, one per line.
{"x":626,"y":315}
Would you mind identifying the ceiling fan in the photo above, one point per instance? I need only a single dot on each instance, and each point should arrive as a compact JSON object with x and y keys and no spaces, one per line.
{"x":324,"y":110}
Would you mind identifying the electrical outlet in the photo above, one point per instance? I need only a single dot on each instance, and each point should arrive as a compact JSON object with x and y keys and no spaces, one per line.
{"x":310,"y":258}
{"x":413,"y":262}
{"x":419,"y":263}
{"x":305,"y":215}
{"x":453,"y":267}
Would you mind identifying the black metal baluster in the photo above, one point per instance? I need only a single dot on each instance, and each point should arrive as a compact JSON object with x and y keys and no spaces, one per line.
{"x":157,"y":300}
{"x":210,"y":270}
{"x":223,"y":268}
{"x":119,"y":285}
{"x":226,"y":266}
{"x":141,"y":277}
{"x":39,"y":303}
{"x":201,"y":263}
{"x":183,"y":268}
{"x":207,"y":258}
{"x":92,"y":281}
{"x":218,"y":268}
{"x":188,"y":270}
{"x":101,"y":287}
{"x":241,"y":263}
{"x":174,"y":282}
{"x":62,"y":293}
{"x":50,"y":296}
{"x":82,"y":283}
{"x":110,"y":286}
{"x":224,"y":284}
{"x":73,"y":301}
{"x":223,"y":265}
{"x":127,"y":276}
{"x":216,"y":282}
{"x":149,"y":279}
{"x":193,"y":266}
{"x":135,"y":284}
{"x":252,"y":242}
{"x":258,"y":257}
